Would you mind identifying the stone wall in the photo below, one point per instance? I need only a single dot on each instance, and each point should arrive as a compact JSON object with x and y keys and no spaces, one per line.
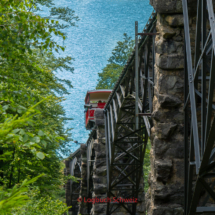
{"x":165,"y":195}
{"x":99,"y":178}
{"x":83,"y":206}
{"x":99,"y":167}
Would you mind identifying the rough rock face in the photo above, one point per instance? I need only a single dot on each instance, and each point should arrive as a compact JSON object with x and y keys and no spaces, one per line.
{"x":99,"y":167}
{"x":167,"y":6}
{"x":99,"y":172}
{"x":172,"y":6}
{"x":99,"y":117}
{"x":165,"y":195}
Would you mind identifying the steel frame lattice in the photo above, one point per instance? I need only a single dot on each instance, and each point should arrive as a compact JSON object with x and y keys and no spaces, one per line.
{"x":199,"y":109}
{"x":127,"y":126}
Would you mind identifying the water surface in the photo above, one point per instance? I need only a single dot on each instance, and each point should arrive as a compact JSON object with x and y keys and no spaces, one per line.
{"x":102,"y":23}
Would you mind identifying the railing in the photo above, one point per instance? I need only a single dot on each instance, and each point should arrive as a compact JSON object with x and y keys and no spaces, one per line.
{"x":199,"y":111}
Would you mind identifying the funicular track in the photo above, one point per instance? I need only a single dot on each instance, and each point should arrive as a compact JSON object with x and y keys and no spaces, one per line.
{"x":199,"y":111}
{"x":126,"y":127}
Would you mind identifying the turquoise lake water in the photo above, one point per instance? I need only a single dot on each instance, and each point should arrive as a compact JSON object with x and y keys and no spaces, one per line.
{"x":102,"y":23}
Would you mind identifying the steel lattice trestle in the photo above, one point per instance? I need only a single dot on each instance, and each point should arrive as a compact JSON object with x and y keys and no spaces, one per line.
{"x":199,"y":111}
{"x":125,"y":145}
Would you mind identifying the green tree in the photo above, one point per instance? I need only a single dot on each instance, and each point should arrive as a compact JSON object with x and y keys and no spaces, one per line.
{"x":27,"y":66}
{"x":22,"y":29}
{"x":120,"y":54}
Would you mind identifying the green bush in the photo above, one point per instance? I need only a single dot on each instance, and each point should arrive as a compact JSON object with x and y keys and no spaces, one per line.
{"x":15,"y":197}
{"x":39,"y":205}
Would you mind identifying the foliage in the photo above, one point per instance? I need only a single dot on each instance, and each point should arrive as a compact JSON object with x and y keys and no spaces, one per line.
{"x":22,"y":29}
{"x":31,"y":148}
{"x":32,"y":133}
{"x":39,"y":205}
{"x":120,"y":54}
{"x":15,"y":197}
{"x":24,"y":154}
{"x":146,"y":166}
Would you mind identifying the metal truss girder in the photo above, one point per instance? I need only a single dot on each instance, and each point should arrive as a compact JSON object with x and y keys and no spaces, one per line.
{"x":191,"y":84}
{"x":204,"y":168}
{"x":134,"y":132}
{"x":129,"y":154}
{"x":122,"y":171}
{"x":126,"y":131}
{"x":207,"y":187}
{"x":200,"y":153}
{"x":120,"y":203}
{"x":134,"y":170}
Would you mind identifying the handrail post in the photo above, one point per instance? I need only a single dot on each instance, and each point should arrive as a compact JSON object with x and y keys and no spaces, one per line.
{"x":136,"y":76}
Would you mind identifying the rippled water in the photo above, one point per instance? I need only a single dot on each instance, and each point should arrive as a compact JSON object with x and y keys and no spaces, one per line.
{"x":102,"y":23}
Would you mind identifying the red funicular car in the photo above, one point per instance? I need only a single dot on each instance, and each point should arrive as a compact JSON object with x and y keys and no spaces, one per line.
{"x":93,"y":100}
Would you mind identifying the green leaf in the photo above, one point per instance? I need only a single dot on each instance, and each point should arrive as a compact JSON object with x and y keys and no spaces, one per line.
{"x":40,"y":155}
{"x":21,"y":138}
{"x":37,"y":139}
{"x":44,"y":143}
{"x":20,"y":111}
{"x":16,"y":130}
{"x":5,"y":107}
{"x":30,"y":123}
{"x":10,"y":136}
{"x":22,"y":132}
{"x":33,"y":150}
{"x":40,"y":133}
{"x":25,"y":138}
{"x":28,"y":162}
